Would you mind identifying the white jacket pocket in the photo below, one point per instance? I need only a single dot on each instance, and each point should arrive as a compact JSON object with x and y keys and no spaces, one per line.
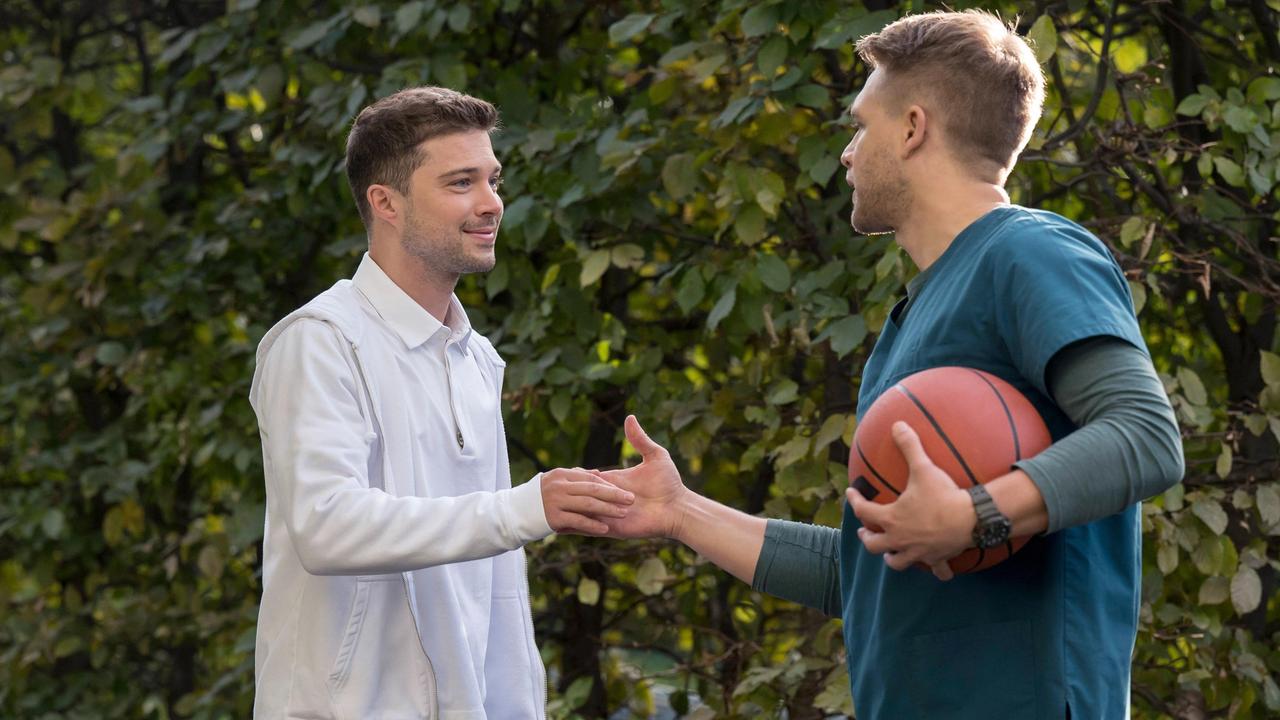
{"x":380,"y":668}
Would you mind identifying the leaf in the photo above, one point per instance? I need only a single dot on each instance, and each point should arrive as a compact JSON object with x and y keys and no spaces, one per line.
{"x":771,"y":55}
{"x":1167,"y":558}
{"x":459,"y":17}
{"x":1132,"y":230}
{"x":211,"y":562}
{"x":651,"y":576}
{"x":1211,"y":514}
{"x":110,"y":353}
{"x":784,"y":391}
{"x":560,"y":405}
{"x":773,"y":272}
{"x":628,"y":27}
{"x":1246,"y":590}
{"x":312,"y":34}
{"x":367,"y":15}
{"x":1230,"y":171}
{"x":1214,"y":590}
{"x":1270,"y":368}
{"x":749,"y":225}
{"x":1264,"y":89}
{"x":594,"y":266}
{"x":845,"y":334}
{"x":1192,"y":105}
{"x":832,"y":429}
{"x":1223,"y":466}
{"x":722,"y":307}
{"x":1207,"y":555}
{"x":1268,"y":501}
{"x":679,"y":176}
{"x":759,"y":20}
{"x":53,"y":523}
{"x":814,"y":96}
{"x":1044,"y":38}
{"x":1192,"y":387}
{"x":627,"y":256}
{"x":588,"y":591}
{"x":407,"y":16}
{"x":691,"y":291}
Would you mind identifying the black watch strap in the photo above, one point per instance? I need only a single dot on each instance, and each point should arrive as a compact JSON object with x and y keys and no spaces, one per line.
{"x":993,"y":526}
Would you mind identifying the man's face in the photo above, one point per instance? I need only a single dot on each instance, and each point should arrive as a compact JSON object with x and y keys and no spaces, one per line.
{"x":881,"y":195}
{"x":453,"y":208}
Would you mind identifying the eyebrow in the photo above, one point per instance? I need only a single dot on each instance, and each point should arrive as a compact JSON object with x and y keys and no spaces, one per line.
{"x":468,"y":171}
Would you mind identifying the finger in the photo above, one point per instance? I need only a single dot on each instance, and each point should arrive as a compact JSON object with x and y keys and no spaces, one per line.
{"x":591,"y":506}
{"x":581,"y":524}
{"x":908,"y":442}
{"x":875,"y":543}
{"x":868,"y":512}
{"x":898,"y":560}
{"x":603,"y":490}
{"x":942,"y":570}
{"x":639,"y":439}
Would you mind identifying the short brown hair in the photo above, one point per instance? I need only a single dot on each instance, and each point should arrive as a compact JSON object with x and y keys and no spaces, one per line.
{"x":384,"y":145}
{"x":981,"y":74}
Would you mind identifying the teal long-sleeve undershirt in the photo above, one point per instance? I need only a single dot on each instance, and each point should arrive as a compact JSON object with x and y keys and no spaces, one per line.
{"x":1109,"y":389}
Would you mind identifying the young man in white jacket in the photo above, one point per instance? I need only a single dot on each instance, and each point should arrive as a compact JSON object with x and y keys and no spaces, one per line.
{"x":394,"y":580}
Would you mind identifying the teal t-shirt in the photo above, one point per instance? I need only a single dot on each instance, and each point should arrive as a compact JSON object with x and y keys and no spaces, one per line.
{"x":1054,"y":625}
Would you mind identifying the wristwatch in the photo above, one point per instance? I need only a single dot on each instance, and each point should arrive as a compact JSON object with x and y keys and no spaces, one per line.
{"x":992,"y":528}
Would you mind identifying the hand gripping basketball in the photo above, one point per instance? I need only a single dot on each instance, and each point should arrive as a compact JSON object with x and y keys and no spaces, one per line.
{"x":930,"y":523}
{"x":969,"y":426}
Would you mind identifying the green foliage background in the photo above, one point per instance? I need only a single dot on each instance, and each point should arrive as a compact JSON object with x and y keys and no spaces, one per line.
{"x":676,"y":245}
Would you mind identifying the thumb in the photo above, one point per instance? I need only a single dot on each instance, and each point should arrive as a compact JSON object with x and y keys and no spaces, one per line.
{"x":639,"y":439}
{"x":908,"y":442}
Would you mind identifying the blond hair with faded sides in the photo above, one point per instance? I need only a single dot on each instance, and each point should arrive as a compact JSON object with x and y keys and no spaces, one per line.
{"x":974,"y":71}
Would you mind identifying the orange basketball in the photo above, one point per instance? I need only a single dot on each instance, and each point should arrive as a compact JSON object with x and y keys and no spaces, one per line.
{"x":971,"y":423}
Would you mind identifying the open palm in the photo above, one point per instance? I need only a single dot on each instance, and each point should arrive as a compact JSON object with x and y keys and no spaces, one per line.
{"x":657,"y":487}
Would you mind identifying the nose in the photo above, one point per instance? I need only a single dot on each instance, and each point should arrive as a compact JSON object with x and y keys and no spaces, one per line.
{"x":846,"y":157}
{"x":490,"y":203}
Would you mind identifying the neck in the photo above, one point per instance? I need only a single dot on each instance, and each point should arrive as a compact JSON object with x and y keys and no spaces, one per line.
{"x":938,"y":215}
{"x":429,"y":288}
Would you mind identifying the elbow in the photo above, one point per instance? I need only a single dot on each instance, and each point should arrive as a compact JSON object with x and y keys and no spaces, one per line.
{"x":316,"y":550}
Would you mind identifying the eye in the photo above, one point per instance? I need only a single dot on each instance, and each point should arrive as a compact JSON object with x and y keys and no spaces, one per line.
{"x":495,"y":182}
{"x":464,"y":183}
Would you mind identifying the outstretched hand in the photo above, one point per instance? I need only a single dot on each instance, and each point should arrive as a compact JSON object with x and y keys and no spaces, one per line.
{"x":656,"y":485}
{"x":576,"y":501}
{"x":930,"y":523}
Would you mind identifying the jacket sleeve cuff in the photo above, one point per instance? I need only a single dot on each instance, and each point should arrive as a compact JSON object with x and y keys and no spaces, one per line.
{"x":526,"y":518}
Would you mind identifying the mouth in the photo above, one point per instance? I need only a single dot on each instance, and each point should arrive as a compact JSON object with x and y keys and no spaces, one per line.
{"x":485,"y":235}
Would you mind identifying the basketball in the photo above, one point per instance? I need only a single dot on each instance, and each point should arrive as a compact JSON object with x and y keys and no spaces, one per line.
{"x":971,"y":423}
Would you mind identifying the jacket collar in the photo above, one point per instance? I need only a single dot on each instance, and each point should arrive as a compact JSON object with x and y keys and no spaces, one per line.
{"x":403,"y":314}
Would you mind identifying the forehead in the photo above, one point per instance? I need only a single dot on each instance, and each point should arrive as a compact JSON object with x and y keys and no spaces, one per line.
{"x":471,"y":148}
{"x":870,"y":95}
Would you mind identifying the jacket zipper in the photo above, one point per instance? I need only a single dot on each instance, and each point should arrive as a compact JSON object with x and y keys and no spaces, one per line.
{"x":453,"y":410}
{"x":386,"y":466}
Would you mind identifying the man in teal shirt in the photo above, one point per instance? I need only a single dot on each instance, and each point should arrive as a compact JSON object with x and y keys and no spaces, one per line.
{"x":1026,"y":295}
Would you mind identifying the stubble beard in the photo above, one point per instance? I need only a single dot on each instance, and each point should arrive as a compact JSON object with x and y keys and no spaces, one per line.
{"x":442,"y":251}
{"x":880,"y":205}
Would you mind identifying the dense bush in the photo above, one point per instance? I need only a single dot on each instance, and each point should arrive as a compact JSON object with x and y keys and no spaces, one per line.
{"x":676,"y":245}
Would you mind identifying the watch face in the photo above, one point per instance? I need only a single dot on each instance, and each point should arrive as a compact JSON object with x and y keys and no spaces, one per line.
{"x":992,"y":533}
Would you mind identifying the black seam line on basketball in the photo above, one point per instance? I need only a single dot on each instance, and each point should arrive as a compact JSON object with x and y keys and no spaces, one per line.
{"x":1013,"y":428}
{"x":982,"y":555}
{"x":879,"y":477}
{"x":938,"y":428}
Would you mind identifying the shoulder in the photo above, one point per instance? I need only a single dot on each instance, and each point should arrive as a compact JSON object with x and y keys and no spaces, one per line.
{"x":1035,"y":244}
{"x":484,"y":348}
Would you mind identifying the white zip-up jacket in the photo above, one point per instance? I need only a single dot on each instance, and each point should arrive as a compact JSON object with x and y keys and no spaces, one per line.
{"x":394,"y":583}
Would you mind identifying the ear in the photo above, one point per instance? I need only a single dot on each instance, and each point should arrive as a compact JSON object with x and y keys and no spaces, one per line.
{"x":386,"y":204}
{"x":915,"y":128}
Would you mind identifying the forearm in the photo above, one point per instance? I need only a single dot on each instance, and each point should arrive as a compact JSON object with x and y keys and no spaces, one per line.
{"x":340,"y":528}
{"x":801,"y":563}
{"x":1128,"y":447}
{"x":727,"y":537}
